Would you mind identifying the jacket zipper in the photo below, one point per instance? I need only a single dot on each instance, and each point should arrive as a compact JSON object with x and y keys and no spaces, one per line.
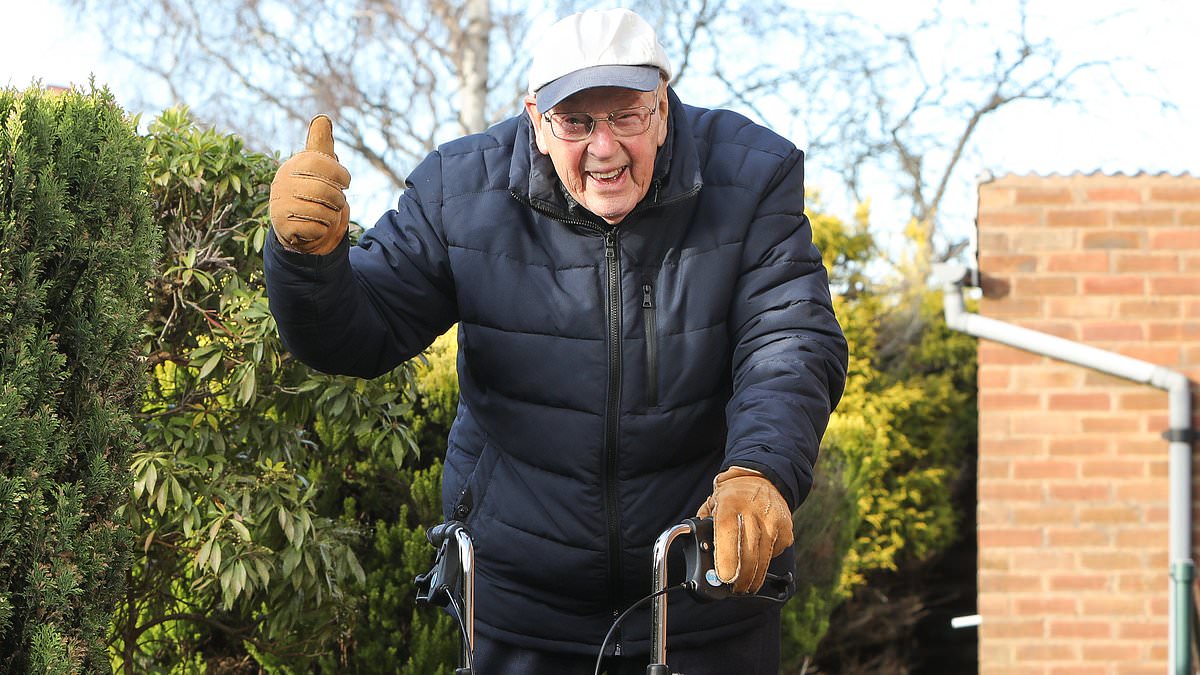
{"x":612,"y":418}
{"x":651,"y":323}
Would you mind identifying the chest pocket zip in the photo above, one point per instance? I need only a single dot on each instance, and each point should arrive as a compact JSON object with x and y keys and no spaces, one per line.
{"x":651,"y":328}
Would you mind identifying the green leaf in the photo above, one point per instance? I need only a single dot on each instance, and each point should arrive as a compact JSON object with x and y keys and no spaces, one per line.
{"x":355,"y":567}
{"x":241,"y":529}
{"x":291,"y":559}
{"x":151,"y":477}
{"x":212,"y":362}
{"x":204,"y":554}
{"x":246,"y":388}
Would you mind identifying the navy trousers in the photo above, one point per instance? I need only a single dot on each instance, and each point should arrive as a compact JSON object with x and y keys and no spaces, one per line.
{"x":755,"y":652}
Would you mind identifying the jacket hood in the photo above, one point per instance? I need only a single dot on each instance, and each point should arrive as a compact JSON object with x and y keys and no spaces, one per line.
{"x":676,"y":167}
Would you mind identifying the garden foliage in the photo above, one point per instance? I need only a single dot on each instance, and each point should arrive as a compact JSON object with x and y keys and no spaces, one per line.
{"x":243,"y":555}
{"x":77,"y":246}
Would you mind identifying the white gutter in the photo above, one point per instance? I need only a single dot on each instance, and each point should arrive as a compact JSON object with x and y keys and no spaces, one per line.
{"x":1181,"y":434}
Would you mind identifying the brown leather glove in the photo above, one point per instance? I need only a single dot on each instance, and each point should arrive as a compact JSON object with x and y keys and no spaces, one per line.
{"x":751,"y":524}
{"x":308,"y":208}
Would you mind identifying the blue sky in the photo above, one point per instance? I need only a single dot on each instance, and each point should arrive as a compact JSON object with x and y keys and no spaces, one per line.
{"x":1156,"y":39}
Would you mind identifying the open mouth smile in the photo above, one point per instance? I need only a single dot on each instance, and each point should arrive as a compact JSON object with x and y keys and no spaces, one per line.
{"x":607,"y":177}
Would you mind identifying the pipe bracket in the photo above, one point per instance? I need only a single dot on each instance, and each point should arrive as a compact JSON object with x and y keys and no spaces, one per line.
{"x":1181,"y":435}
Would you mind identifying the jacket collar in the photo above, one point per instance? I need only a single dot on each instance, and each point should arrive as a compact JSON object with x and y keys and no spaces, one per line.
{"x":532,"y":178}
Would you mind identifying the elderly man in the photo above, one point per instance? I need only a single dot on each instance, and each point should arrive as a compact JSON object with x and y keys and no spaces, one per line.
{"x":645,"y":333}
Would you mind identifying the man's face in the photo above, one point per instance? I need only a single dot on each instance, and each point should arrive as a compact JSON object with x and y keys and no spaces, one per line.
{"x":606,"y":173}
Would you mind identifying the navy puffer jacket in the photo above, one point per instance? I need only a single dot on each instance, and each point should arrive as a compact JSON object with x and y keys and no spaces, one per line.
{"x":606,"y":373}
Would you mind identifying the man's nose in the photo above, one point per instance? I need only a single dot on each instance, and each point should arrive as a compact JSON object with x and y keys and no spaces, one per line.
{"x":603,"y":142}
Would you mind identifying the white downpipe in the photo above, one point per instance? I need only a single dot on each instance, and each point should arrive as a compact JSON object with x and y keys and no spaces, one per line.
{"x":1180,"y":435}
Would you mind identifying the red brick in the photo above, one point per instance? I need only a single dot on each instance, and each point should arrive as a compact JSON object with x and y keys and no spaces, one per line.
{"x":1142,"y":630}
{"x":1044,"y":514}
{"x":1009,"y":218}
{"x":1097,"y":669}
{"x":1078,"y":581}
{"x":1128,"y":263}
{"x":1107,"y":515}
{"x":1079,"y":402}
{"x":1114,"y":194}
{"x":1068,"y":330}
{"x":1030,"y":469}
{"x":1039,"y":195}
{"x":1043,"y":605}
{"x":1010,"y":308}
{"x":1086,"y":307}
{"x":1009,"y":401}
{"x":1109,"y":468}
{"x":1112,"y":652}
{"x":1000,"y":264}
{"x":1016,"y":447}
{"x":1042,"y":424}
{"x":1114,"y":605}
{"x":1175,"y":194}
{"x":1001,"y":582}
{"x":1142,"y":400}
{"x":1080,"y":628}
{"x":994,"y":469}
{"x":1176,"y":240}
{"x":1076,"y":447}
{"x":993,"y":241}
{"x":1011,"y":492}
{"x":1110,"y":285}
{"x":1144,"y":217}
{"x":1162,"y":355}
{"x":1020,"y":537}
{"x":1113,"y":331}
{"x":1045,"y":651}
{"x":1189,"y":217}
{"x":1110,"y":424}
{"x":1186,"y":332}
{"x":1142,"y":492}
{"x":1090,"y":491}
{"x":1140,"y":583}
{"x":1075,"y":537}
{"x":993,"y":378}
{"x":1110,"y":560}
{"x":1181,"y":285}
{"x":1110,"y":239}
{"x":1043,"y":240}
{"x":1049,"y":377}
{"x":1077,"y":217}
{"x":1045,"y":286}
{"x":994,"y":354}
{"x":1151,"y":308}
{"x":1141,"y":538}
{"x":1077,"y":262}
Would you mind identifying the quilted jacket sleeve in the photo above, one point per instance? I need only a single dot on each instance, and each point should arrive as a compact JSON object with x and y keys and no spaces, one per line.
{"x":363,"y":310}
{"x":790,"y":355}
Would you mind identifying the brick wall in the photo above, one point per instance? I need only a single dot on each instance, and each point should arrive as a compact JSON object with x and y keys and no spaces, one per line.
{"x":1072,"y":514}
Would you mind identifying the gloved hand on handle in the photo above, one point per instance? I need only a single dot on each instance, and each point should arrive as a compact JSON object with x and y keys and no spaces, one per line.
{"x":308,"y":205}
{"x":751,"y":525}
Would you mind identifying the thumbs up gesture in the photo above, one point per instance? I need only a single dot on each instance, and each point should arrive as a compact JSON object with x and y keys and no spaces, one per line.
{"x":308,"y":205}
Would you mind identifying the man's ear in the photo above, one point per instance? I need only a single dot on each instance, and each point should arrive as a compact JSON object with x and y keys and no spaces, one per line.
{"x":664,"y":107}
{"x":536,"y":120}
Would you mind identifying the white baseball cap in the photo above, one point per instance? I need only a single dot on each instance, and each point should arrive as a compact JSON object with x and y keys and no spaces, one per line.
{"x":596,"y":48}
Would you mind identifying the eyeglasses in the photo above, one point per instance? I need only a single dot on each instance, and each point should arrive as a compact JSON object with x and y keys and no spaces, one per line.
{"x":572,"y":126}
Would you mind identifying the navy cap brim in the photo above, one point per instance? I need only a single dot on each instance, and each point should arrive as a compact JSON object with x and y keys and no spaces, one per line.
{"x":641,"y":78}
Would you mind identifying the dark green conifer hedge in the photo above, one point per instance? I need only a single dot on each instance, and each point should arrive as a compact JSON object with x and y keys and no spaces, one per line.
{"x":77,"y":246}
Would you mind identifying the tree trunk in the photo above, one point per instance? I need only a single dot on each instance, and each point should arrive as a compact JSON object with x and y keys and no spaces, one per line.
{"x":473,"y":79}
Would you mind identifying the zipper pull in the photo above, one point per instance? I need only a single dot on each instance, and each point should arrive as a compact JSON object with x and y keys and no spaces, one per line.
{"x":610,"y":244}
{"x":647,"y":296}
